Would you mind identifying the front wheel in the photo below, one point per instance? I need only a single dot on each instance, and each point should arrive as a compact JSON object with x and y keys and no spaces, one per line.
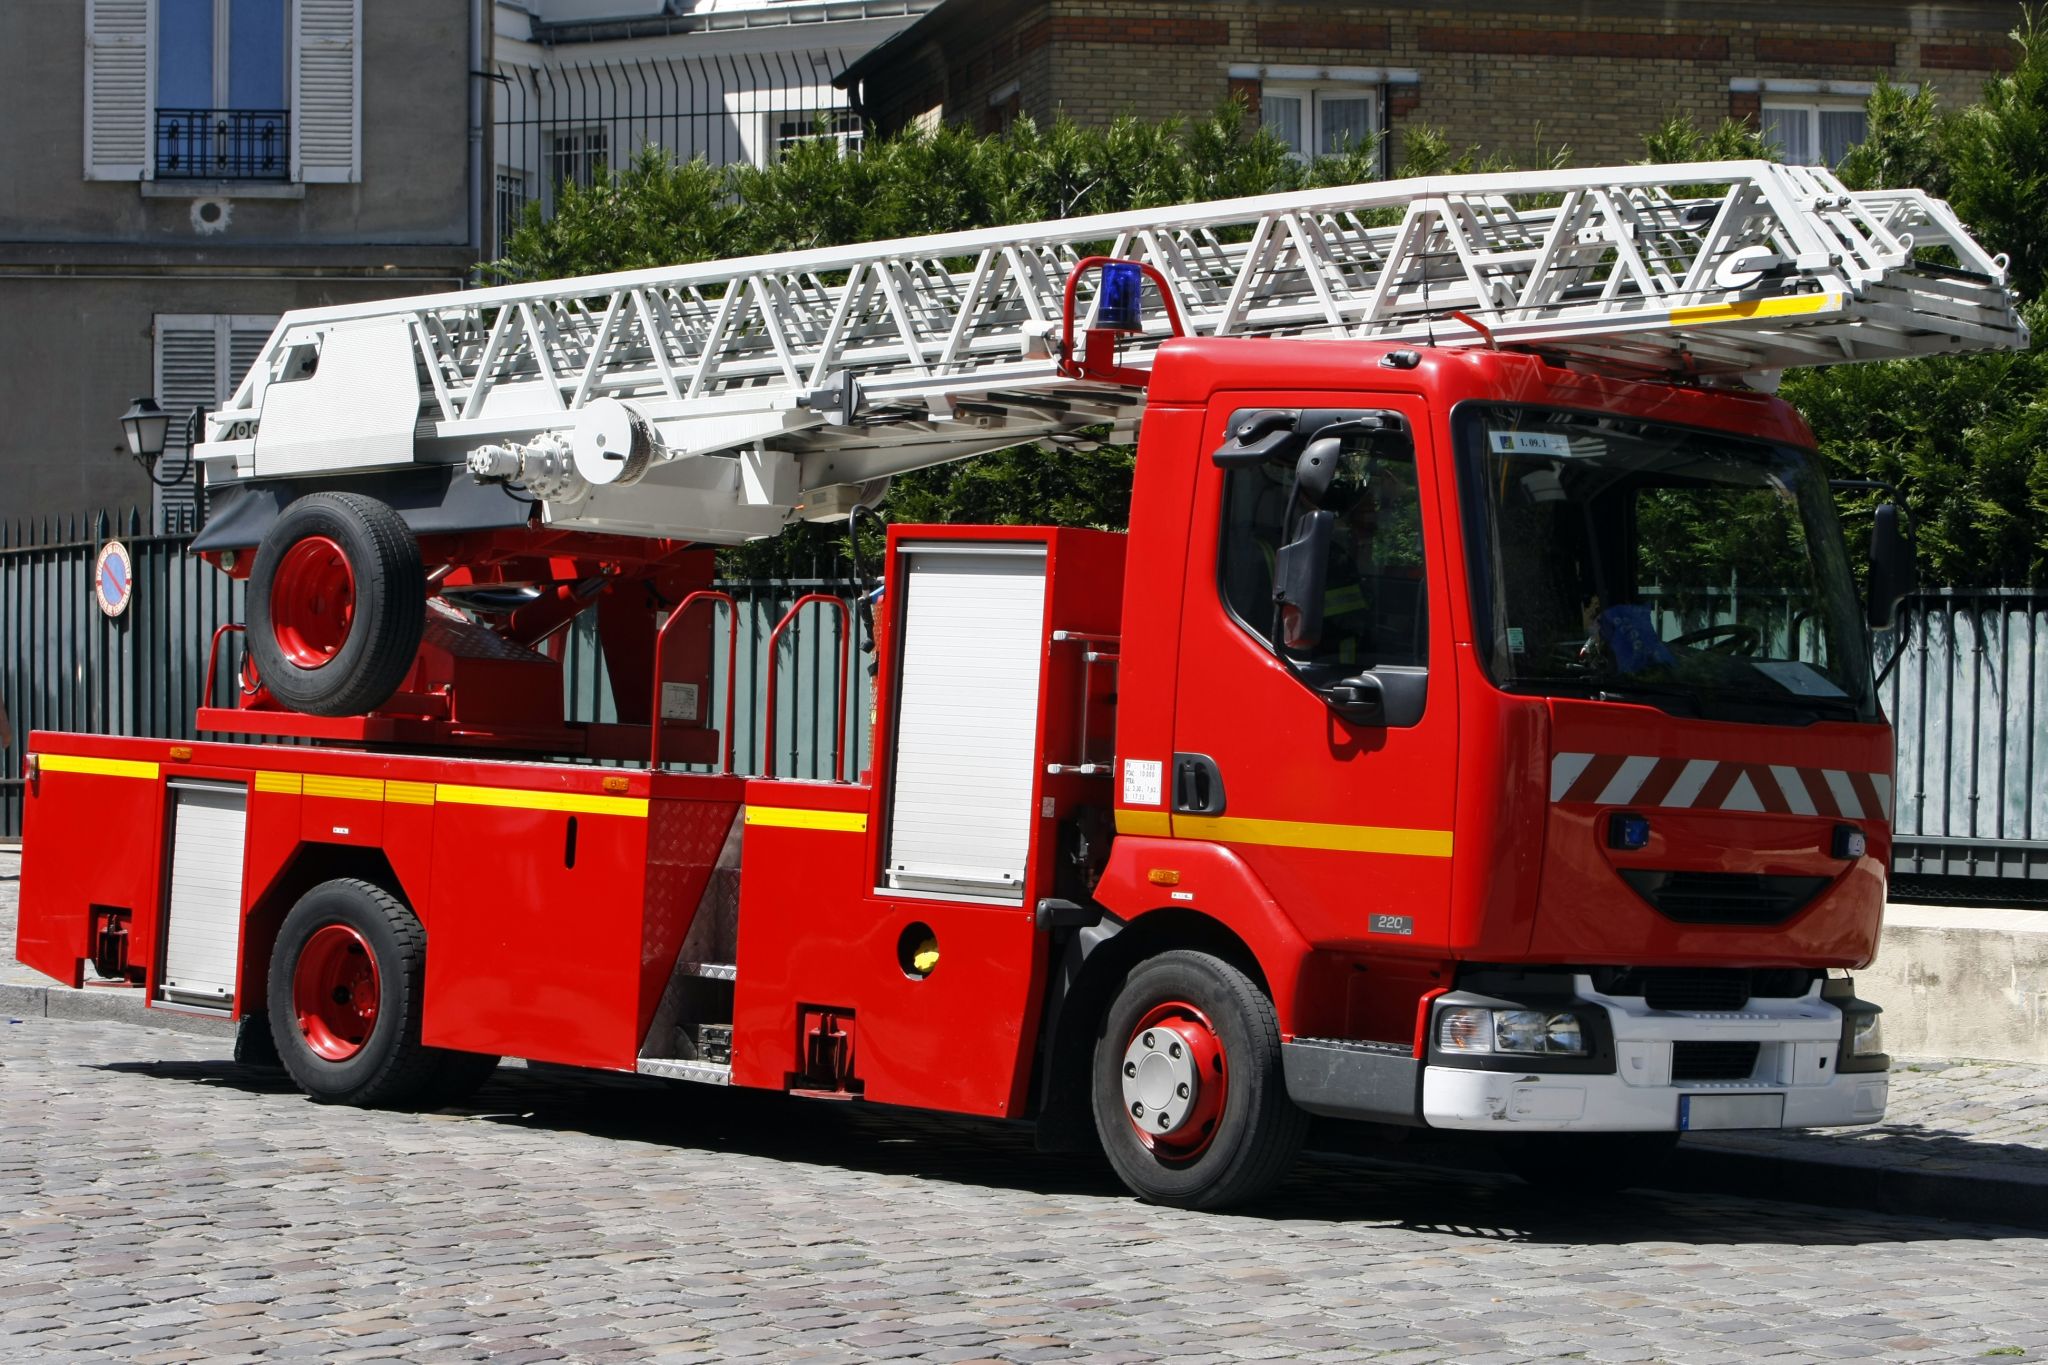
{"x":1189,"y":1097}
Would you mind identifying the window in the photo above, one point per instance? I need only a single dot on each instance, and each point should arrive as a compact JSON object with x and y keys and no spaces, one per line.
{"x":220,"y":90}
{"x":1817,"y":134}
{"x":788,"y":128}
{"x":574,"y":157}
{"x":1696,"y":571}
{"x":1320,"y":120}
{"x":223,"y":90}
{"x":200,"y":361}
{"x":1375,"y":601}
{"x":514,"y":192}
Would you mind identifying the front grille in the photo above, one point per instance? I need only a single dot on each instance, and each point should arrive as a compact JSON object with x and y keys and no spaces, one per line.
{"x":1723,"y":897}
{"x":1713,"y":1061}
{"x":1689,"y":989}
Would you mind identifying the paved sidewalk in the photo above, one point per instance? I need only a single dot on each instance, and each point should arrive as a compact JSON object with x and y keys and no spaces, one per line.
{"x":1961,"y":1139}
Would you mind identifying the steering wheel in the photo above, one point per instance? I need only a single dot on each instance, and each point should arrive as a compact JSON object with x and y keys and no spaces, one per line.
{"x":1736,"y":639}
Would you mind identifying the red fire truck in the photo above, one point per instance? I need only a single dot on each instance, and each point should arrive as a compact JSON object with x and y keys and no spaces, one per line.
{"x":1475,"y":728}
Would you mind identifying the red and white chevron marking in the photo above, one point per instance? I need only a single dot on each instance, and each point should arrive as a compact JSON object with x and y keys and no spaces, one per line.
{"x":1710,"y":784}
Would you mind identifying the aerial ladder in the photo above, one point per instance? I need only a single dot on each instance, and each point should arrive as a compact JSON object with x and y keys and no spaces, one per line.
{"x":609,"y":422}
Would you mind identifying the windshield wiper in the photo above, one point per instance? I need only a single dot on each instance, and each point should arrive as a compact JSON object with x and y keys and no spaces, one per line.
{"x":1612,"y":689}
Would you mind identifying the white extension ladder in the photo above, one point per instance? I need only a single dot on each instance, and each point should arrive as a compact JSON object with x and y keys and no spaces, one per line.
{"x":720,"y":401}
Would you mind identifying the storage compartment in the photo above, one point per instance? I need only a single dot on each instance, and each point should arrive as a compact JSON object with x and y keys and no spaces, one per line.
{"x":967,"y":719}
{"x":203,"y":904}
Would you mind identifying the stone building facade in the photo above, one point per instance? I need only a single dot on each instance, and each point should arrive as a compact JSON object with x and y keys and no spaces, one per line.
{"x":1522,"y":79}
{"x":181,"y":172}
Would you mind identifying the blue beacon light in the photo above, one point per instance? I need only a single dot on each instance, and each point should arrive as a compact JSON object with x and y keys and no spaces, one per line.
{"x":1121,"y":305}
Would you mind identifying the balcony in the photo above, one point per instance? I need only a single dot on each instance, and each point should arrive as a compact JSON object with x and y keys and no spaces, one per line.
{"x":223,"y":144}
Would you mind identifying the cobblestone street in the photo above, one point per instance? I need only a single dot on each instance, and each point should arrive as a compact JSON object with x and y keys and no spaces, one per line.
{"x":160,"y":1204}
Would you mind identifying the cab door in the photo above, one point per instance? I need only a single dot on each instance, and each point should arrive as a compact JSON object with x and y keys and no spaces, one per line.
{"x":1343,"y":811}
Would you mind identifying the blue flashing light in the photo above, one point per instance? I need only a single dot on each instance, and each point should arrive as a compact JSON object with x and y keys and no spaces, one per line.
{"x":1626,"y":831}
{"x":1121,"y":305}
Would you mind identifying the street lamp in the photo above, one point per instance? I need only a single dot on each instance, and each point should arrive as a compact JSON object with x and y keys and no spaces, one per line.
{"x":147,"y":427}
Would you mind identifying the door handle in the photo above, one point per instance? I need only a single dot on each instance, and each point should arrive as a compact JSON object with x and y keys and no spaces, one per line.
{"x":1197,"y":785}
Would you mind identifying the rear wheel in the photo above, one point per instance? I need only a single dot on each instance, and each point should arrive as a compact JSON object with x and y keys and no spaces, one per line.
{"x":337,"y":603}
{"x":1189,"y":1098}
{"x":346,"y":979}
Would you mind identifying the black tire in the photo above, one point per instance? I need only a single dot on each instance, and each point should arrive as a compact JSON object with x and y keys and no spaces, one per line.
{"x":388,"y":1067}
{"x":1587,"y":1163}
{"x":1247,"y":1146}
{"x":389,"y":606}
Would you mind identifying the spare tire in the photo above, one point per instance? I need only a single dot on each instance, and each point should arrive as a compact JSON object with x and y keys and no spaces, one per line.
{"x":337,"y":601}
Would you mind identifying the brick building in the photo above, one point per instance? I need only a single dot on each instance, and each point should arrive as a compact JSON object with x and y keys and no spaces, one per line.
{"x":1515,"y":76}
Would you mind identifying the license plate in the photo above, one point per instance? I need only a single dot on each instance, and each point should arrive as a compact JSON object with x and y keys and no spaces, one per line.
{"x":1698,"y":1113}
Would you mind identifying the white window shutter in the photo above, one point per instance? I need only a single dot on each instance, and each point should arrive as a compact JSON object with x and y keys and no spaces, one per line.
{"x":327,"y":87}
{"x":117,"y":89}
{"x":188,"y":375}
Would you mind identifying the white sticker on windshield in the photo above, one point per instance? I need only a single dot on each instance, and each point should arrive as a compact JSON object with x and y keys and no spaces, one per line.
{"x":1531,"y":443}
{"x":1802,"y":679}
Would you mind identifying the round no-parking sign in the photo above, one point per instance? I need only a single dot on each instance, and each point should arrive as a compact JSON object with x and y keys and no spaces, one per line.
{"x":113,"y":578}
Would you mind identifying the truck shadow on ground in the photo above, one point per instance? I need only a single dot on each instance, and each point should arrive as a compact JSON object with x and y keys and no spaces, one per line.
{"x":1354,"y":1177}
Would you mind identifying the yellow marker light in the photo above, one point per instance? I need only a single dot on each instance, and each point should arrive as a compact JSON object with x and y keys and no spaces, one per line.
{"x":615,"y":784}
{"x":1163,"y":876}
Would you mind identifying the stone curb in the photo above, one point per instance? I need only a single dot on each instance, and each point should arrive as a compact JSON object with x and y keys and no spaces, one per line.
{"x":117,"y":1004}
{"x":1845,"y":1182}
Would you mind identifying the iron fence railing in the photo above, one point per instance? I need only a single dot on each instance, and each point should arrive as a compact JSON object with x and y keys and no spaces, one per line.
{"x":562,"y":120}
{"x":223,"y":144}
{"x":1965,"y":684}
{"x":1968,"y":697}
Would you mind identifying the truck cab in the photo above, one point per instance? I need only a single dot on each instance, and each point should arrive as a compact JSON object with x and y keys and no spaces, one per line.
{"x":1571,"y":810}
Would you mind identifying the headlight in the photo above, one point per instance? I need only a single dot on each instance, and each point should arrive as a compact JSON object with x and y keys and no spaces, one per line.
{"x":1469,"y":1029}
{"x":1866,"y":1037}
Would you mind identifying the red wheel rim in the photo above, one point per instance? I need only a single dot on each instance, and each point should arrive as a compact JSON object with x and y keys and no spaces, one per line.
{"x":1176,"y":1081}
{"x":312,"y":602}
{"x":335,"y":992}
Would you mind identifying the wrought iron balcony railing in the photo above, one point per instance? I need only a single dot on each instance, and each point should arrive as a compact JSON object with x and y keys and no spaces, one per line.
{"x":223,"y":144}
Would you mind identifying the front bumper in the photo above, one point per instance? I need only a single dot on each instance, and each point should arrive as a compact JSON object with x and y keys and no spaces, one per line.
{"x":1795,"y":1081}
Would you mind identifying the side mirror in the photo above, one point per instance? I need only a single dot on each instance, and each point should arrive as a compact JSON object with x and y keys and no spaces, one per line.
{"x":1316,"y":469}
{"x":1300,"y":570}
{"x":1891,"y":567}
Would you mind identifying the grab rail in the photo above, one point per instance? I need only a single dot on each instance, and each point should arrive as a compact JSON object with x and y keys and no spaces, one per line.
{"x":839,"y":712}
{"x":732,"y":654}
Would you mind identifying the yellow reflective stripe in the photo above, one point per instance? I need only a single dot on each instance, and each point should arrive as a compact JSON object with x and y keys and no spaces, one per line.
{"x":344,"y":788}
{"x":278,"y":782}
{"x":98,"y":767}
{"x":1150,"y":822}
{"x":410,"y":793}
{"x":574,"y":802}
{"x":1759,"y":308}
{"x":1231,"y":829}
{"x":793,"y":817}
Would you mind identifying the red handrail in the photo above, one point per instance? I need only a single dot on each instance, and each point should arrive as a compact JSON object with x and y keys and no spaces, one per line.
{"x":213,"y":657}
{"x":839,"y":712}
{"x":732,"y":637}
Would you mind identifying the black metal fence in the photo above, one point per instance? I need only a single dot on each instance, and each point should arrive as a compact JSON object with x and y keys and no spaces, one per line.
{"x":223,"y":144}
{"x":1967,"y":692}
{"x":1968,"y":698}
{"x":559,"y":121}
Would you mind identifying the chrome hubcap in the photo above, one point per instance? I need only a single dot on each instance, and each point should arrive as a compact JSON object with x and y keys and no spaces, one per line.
{"x":1161,"y":1083}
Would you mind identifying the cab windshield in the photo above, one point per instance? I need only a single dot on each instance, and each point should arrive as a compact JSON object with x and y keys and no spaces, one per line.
{"x":1691,"y":570}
